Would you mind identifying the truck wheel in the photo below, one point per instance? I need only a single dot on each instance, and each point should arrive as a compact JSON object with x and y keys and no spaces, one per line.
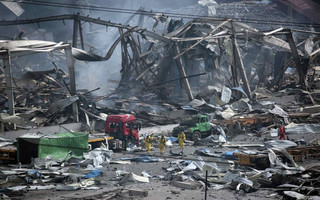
{"x":196,"y":136}
{"x":128,"y":142}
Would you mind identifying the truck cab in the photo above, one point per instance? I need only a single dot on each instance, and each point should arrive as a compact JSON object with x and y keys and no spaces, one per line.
{"x":201,"y":125}
{"x":195,"y":128}
{"x":123,"y":127}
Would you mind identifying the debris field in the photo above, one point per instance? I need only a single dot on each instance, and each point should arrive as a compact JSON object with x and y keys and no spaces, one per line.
{"x":245,"y":93}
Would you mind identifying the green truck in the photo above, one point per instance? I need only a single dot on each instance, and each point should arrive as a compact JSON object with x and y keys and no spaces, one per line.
{"x":195,"y":127}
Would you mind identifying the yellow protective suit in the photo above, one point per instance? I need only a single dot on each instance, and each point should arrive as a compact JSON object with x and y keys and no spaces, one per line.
{"x":162,"y":144}
{"x":148,"y":142}
{"x":181,"y":139}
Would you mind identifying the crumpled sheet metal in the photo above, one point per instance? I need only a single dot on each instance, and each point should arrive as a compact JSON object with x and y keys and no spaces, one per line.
{"x":287,"y":155}
{"x":200,"y":104}
{"x":27,"y":46}
{"x":277,"y":110}
{"x":227,"y":113}
{"x":221,"y":133}
{"x":80,"y":54}
{"x":275,"y":161}
{"x":134,"y":177}
{"x":22,"y":47}
{"x":99,"y":156}
{"x":211,"y":168}
{"x":206,"y":152}
{"x":212,"y":139}
{"x":41,"y":187}
{"x":60,"y":105}
{"x":192,"y":166}
{"x":226,"y":94}
{"x":302,"y":128}
{"x":84,"y":183}
{"x":294,"y":195}
{"x":281,"y":144}
{"x":240,"y":89}
{"x":180,"y":153}
{"x":199,"y":163}
{"x":6,"y":118}
{"x":67,"y":188}
{"x":145,"y":159}
{"x":195,"y":103}
{"x":242,"y":106}
{"x":145,"y":174}
{"x":229,"y":177}
{"x":191,"y":185}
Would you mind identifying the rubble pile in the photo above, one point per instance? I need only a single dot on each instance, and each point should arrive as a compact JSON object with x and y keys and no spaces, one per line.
{"x":218,"y":61}
{"x":38,"y":98}
{"x":245,"y":95}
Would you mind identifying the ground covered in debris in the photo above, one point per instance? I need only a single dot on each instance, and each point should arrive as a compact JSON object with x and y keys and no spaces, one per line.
{"x":172,"y":175}
{"x":234,"y":85}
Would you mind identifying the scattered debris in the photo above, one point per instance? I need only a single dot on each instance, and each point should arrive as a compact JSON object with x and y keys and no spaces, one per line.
{"x":227,"y":84}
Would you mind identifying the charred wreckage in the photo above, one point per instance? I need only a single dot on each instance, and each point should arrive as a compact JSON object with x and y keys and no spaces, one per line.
{"x":240,"y":79}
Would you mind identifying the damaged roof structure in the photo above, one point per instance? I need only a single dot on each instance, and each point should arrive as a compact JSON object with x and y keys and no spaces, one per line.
{"x":247,"y":65}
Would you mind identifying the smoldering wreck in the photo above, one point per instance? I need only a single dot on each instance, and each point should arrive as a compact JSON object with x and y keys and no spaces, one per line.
{"x":246,"y":78}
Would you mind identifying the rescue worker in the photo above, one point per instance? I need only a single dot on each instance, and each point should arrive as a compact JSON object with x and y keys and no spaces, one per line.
{"x":282,"y":132}
{"x":181,"y":139}
{"x":162,"y":144}
{"x":148,"y":141}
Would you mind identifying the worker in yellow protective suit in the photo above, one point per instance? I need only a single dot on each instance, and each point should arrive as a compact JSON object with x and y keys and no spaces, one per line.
{"x":162,"y":144}
{"x":181,"y":139}
{"x":148,"y":142}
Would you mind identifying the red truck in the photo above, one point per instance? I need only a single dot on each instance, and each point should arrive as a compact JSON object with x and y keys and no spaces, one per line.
{"x":124,"y":129}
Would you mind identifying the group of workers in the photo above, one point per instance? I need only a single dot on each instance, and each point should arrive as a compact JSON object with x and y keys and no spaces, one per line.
{"x":162,"y":142}
{"x":182,"y":137}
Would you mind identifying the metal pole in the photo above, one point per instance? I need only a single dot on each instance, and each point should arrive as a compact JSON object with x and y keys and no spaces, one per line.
{"x":206,"y":186}
{"x":183,"y":72}
{"x":242,"y":71}
{"x":239,"y":64}
{"x":8,"y":75}
{"x":75,"y":33}
{"x":302,"y":70}
{"x":235,"y":80}
{"x":81,"y":36}
{"x":70,"y":63}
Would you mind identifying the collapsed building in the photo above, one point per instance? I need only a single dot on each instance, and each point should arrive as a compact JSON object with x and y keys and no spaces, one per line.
{"x":248,"y":75}
{"x":194,"y":59}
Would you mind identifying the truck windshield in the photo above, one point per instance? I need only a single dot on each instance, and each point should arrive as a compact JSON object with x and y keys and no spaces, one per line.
{"x":203,"y":119}
{"x":131,"y":125}
{"x":115,"y":125}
